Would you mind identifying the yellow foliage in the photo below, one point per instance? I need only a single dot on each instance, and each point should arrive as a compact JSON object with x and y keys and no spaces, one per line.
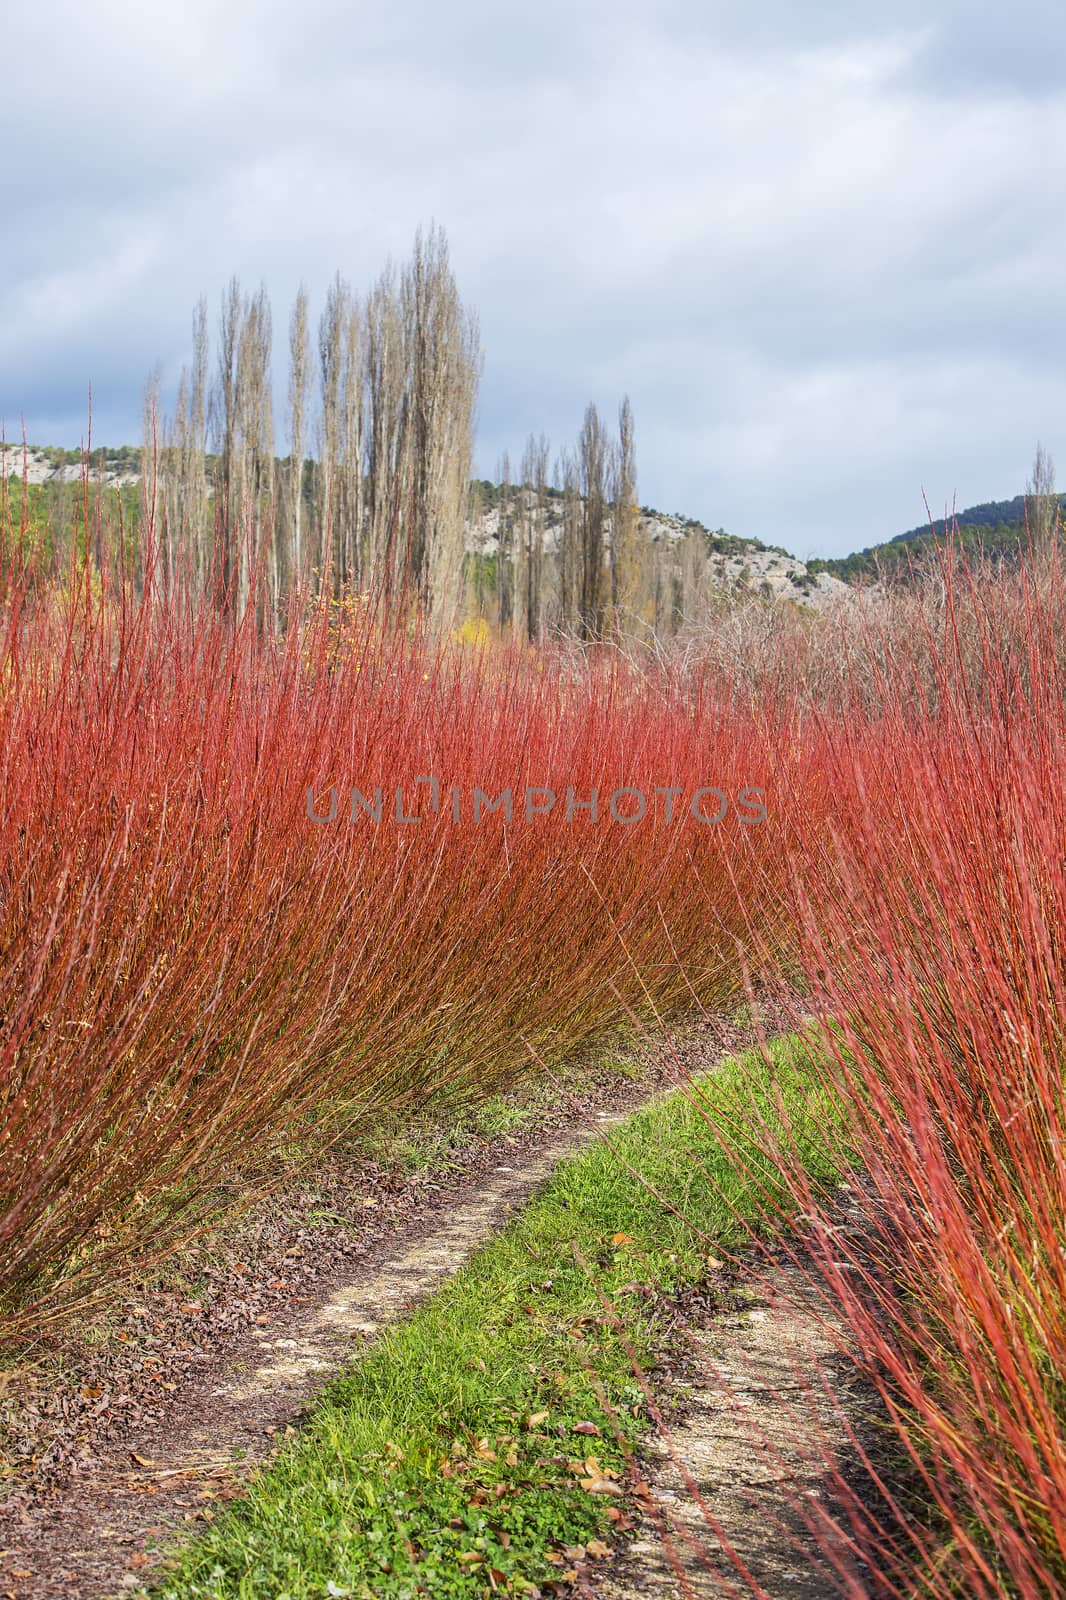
{"x":475,"y":631}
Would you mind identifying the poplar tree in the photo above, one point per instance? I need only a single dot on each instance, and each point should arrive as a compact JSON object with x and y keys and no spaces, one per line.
{"x":626,"y":552}
{"x":1041,"y":501}
{"x":290,"y":564}
{"x":592,"y":465}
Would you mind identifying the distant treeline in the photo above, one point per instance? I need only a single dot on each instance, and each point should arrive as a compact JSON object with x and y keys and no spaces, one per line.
{"x":563,"y":548}
{"x":999,"y":529}
{"x":112,"y":457}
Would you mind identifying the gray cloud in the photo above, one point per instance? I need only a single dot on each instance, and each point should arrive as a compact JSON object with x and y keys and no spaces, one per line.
{"x":823,"y":258}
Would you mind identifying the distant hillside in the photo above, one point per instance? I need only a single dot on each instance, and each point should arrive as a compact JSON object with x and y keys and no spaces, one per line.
{"x":991,"y":514}
{"x":734,"y":563}
{"x":996,"y":527}
{"x":120,"y":464}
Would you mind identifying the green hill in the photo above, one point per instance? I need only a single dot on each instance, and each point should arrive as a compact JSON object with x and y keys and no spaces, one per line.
{"x":996,"y":527}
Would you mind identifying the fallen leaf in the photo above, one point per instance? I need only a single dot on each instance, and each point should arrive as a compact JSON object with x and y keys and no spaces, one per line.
{"x":621,"y":1238}
{"x":472,"y":1558}
{"x":597,"y":1548}
{"x":537,"y":1418}
{"x":142,"y":1461}
{"x":586,"y":1427}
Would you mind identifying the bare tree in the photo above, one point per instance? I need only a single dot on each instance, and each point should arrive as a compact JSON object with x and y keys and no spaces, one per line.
{"x":291,"y":562}
{"x":477,"y":525}
{"x":226,"y":429}
{"x":182,"y":485}
{"x":340,"y":468}
{"x":625,"y":523}
{"x":520,"y":541}
{"x":505,"y":539}
{"x":331,"y":342}
{"x":693,"y":590}
{"x":171,"y":456}
{"x":350,"y":488}
{"x":198,"y":510}
{"x":443,"y":348}
{"x":592,"y":459}
{"x":390,"y":488}
{"x":533,"y":516}
{"x":387,"y":467}
{"x":195,"y":526}
{"x":243,"y":424}
{"x":151,"y":478}
{"x":662,"y":589}
{"x":1041,"y":501}
{"x":422,"y":362}
{"x":255,"y":415}
{"x":569,"y":541}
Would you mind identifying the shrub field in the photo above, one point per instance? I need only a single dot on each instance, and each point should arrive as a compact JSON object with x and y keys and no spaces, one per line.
{"x":196,"y":972}
{"x":194,"y":969}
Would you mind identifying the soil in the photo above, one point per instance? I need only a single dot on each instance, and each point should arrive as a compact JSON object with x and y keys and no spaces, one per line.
{"x":111,"y":1445}
{"x":768,"y":1469}
{"x":765,"y":1395}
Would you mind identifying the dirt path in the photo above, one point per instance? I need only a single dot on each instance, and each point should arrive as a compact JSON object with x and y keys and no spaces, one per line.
{"x":85,"y":1540}
{"x":767,"y":1398}
{"x":245,"y":1384}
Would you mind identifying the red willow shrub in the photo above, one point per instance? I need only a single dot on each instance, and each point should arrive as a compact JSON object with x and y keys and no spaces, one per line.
{"x":193,"y":970}
{"x":932,"y":934}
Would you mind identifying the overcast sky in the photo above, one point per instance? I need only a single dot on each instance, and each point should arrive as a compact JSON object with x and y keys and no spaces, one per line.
{"x":825,"y":258}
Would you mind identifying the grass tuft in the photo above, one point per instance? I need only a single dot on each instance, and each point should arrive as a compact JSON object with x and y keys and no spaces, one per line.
{"x":489,"y":1433}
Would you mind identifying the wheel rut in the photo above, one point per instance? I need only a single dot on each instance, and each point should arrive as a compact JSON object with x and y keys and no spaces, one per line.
{"x":88,"y":1540}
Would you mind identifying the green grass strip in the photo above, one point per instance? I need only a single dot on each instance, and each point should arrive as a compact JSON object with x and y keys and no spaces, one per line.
{"x":446,"y":1462}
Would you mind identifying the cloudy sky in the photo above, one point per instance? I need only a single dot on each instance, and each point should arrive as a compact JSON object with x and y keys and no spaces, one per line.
{"x":825,"y":258}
